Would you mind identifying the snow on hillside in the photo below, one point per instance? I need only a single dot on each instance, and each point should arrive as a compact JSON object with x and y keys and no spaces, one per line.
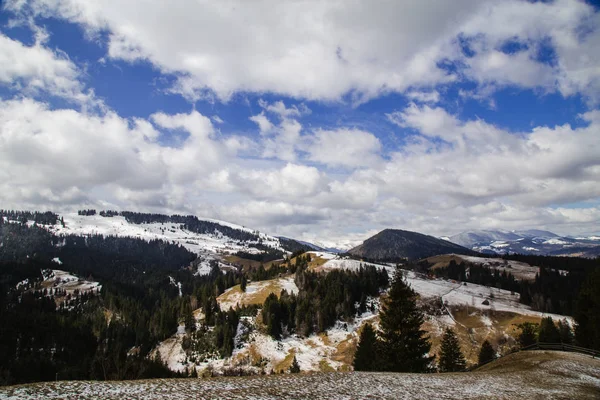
{"x":519,"y":270}
{"x":323,"y":254}
{"x":207,"y":244}
{"x":336,"y":262}
{"x":57,"y":279}
{"x":334,"y":349}
{"x":524,"y":375}
{"x":456,"y":293}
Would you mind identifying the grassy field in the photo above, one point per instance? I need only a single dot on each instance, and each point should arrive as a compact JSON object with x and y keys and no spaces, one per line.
{"x":525,"y":375}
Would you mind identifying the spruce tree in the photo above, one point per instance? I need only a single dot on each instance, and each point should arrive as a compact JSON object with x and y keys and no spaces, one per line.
{"x":566,"y":333}
{"x":487,"y":353}
{"x":365,"y":358}
{"x":548,"y":332}
{"x":451,"y":358}
{"x":295,"y":367}
{"x":405,"y":346}
{"x":587,"y":312}
{"x":528,"y":334}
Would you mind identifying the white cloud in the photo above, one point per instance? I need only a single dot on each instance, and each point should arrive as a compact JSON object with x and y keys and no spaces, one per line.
{"x":432,"y":96}
{"x":263,"y":123}
{"x":34,"y":69}
{"x":54,"y":156}
{"x":325,"y":50}
{"x":447,"y":175}
{"x":344,"y":147}
{"x":292,"y":181}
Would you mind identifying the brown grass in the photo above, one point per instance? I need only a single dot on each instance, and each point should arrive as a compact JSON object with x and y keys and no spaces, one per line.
{"x":471,"y":331}
{"x":443,"y":260}
{"x":259,"y":297}
{"x":286,"y":363}
{"x":325,"y":367}
{"x":248,"y":265}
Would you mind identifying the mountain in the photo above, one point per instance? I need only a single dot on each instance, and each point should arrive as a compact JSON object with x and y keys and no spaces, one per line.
{"x":212,"y":240}
{"x":396,"y":244}
{"x":531,"y":241}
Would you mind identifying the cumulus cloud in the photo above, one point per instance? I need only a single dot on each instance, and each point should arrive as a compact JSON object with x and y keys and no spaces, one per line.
{"x":326,"y":50}
{"x":62,"y":155}
{"x":344,"y":147}
{"x":447,"y":173}
{"x":36,"y":69}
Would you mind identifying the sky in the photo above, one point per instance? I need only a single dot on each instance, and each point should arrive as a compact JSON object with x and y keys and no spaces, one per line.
{"x":318,"y":120}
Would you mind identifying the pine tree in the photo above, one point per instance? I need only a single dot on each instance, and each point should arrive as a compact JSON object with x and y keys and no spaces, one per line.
{"x":295,"y":367}
{"x":528,"y":334}
{"x":548,"y":332}
{"x":566,"y":333}
{"x":404,"y":344}
{"x":365,"y":358}
{"x":487,"y":353}
{"x":451,"y":358}
{"x":587,"y":314}
{"x":243,"y":283}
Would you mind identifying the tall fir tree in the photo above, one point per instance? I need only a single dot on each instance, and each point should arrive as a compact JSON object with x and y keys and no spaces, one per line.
{"x":487,"y":353}
{"x":587,"y":313}
{"x":366,"y":356}
{"x":451,"y":358}
{"x":548,"y":332}
{"x":404,"y":344}
{"x":566,"y":332}
{"x":295,"y":367}
{"x":528,"y":335}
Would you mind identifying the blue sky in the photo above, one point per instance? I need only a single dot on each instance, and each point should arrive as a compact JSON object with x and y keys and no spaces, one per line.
{"x":322,"y":121}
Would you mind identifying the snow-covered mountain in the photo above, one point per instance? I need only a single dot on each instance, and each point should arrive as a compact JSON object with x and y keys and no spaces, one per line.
{"x":211,"y":239}
{"x":532,"y":241}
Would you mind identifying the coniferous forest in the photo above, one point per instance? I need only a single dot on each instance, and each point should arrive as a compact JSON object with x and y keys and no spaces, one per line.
{"x":113,"y":332}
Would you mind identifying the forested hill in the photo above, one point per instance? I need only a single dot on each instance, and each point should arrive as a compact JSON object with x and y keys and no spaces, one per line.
{"x":396,"y":245}
{"x":198,"y":235}
{"x":147,"y":290}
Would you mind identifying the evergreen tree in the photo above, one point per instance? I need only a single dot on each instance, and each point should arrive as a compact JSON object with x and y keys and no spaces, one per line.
{"x":487,"y":353}
{"x":451,"y":358}
{"x":405,"y":346}
{"x":243,"y":283}
{"x":548,"y":332}
{"x":587,"y":314}
{"x":295,"y":367}
{"x":528,"y":334}
{"x":365,"y":358}
{"x":566,"y":333}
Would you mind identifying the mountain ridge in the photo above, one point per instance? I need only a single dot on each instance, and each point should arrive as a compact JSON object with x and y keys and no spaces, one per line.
{"x":397,"y":244}
{"x":531,"y":241}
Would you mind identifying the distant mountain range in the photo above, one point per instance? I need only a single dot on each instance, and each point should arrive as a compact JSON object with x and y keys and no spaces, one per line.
{"x":531,"y":241}
{"x":396,"y":244}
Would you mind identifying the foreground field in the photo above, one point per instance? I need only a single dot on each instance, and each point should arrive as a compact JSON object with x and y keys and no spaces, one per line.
{"x":525,"y":375}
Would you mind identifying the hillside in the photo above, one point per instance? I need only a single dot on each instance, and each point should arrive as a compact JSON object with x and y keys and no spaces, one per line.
{"x":525,"y":375}
{"x":475,"y":312}
{"x":520,"y":270}
{"x":396,"y":244}
{"x":212,"y":240}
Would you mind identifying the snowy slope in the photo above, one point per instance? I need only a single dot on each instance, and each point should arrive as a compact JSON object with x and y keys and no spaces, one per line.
{"x":452,"y":292}
{"x":532,"y":241}
{"x":171,"y":232}
{"x":525,"y":375}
